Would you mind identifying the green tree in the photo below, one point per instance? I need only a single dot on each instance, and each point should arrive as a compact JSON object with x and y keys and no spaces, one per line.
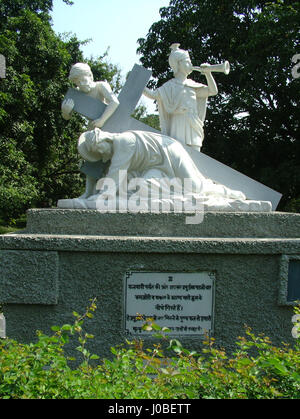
{"x":12,"y":8}
{"x":141,"y":114}
{"x":39,"y":159}
{"x":253,"y":124}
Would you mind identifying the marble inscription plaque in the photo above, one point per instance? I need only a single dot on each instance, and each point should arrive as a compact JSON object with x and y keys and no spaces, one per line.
{"x":181,"y":301}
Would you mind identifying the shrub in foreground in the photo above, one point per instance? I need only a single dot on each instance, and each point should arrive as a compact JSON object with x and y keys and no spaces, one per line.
{"x":42,"y":370}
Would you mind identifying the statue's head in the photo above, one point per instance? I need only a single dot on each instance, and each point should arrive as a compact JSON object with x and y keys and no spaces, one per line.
{"x":95,"y":145}
{"x":82,"y":76}
{"x":179,"y":60}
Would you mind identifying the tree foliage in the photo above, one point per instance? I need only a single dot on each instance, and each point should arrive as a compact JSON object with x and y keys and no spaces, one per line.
{"x":39,"y":160}
{"x":141,"y":114}
{"x":253,"y":124}
{"x":12,"y":8}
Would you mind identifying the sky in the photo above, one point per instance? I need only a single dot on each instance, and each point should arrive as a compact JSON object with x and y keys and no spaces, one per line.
{"x":113,"y":24}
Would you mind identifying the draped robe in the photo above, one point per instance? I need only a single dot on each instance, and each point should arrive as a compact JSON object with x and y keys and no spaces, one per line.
{"x":182,"y":110}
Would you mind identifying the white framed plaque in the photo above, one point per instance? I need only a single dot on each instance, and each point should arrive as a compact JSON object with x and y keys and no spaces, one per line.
{"x":181,"y":301}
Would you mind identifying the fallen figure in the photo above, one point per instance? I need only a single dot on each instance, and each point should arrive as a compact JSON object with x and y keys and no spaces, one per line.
{"x":152,"y":168}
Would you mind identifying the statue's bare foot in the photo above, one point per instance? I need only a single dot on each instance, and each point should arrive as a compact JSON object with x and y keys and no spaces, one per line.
{"x":93,"y":197}
{"x":86,"y":195}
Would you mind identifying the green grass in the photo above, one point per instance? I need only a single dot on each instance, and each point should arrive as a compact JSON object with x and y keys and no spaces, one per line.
{"x":5,"y":229}
{"x":13,"y":226}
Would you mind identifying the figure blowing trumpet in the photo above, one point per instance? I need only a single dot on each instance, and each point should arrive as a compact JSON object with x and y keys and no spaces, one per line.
{"x":215,"y":68}
{"x":182,"y":102}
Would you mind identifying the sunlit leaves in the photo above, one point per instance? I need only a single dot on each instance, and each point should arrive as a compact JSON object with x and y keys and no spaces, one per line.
{"x":163,"y":370}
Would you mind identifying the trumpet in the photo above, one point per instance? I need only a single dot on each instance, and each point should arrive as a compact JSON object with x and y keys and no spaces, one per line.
{"x":217,"y":68}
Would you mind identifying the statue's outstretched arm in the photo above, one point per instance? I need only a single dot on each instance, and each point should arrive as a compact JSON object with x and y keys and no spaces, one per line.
{"x":112,"y":104}
{"x":150,"y":94}
{"x":211,"y":89}
{"x":212,"y":85}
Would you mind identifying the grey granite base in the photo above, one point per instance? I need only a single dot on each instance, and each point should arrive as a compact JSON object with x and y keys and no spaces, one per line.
{"x":64,"y":258}
{"x":214,"y":224}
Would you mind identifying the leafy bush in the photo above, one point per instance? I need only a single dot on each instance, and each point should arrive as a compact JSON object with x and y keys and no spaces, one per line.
{"x":41,"y":369}
{"x":293,"y":205}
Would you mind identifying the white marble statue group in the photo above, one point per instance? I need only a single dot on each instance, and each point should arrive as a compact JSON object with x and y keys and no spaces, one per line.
{"x":150,"y":166}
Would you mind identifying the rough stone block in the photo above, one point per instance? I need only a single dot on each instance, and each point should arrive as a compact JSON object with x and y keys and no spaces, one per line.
{"x":248,"y":254}
{"x":29,"y":277}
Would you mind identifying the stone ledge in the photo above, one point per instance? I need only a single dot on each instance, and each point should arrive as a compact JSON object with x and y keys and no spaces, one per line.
{"x":214,"y":225}
{"x":131,"y":244}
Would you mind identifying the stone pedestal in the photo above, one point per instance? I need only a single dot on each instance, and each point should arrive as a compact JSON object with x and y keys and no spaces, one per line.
{"x":64,"y":258}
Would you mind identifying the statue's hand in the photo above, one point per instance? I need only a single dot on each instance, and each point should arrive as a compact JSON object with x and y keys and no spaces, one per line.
{"x":98,"y":123}
{"x":205,"y":68}
{"x":67,"y":107}
{"x":151,"y":94}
